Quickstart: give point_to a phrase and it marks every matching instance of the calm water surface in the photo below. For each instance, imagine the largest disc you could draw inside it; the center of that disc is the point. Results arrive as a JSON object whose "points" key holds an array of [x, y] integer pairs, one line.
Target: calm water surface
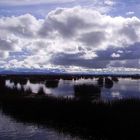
{"points": [[10, 129], [123, 88]]}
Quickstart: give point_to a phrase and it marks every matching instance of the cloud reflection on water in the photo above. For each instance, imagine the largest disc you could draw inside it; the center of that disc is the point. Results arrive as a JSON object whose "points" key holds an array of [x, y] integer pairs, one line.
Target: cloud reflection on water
{"points": [[124, 88]]}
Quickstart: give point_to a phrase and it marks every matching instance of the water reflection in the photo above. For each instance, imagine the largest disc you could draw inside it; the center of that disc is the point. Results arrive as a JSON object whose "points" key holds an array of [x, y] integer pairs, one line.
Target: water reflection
{"points": [[115, 79], [87, 92], [52, 83], [116, 95], [104, 88], [10, 84], [100, 81], [108, 83], [62, 115], [11, 129]]}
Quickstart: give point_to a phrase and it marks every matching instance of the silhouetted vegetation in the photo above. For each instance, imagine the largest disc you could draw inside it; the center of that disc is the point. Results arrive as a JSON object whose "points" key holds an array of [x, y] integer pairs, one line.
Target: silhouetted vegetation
{"points": [[119, 119], [115, 79], [108, 83], [52, 83], [40, 92], [87, 92], [100, 81], [112, 120]]}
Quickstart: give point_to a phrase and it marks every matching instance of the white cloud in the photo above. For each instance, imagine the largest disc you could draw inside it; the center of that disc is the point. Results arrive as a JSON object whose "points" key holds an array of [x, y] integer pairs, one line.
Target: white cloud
{"points": [[4, 54], [109, 2], [24, 25], [69, 38], [114, 55], [130, 13]]}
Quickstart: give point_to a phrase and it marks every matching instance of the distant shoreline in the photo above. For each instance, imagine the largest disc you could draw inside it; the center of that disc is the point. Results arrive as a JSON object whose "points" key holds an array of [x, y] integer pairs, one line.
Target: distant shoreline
{"points": [[70, 75]]}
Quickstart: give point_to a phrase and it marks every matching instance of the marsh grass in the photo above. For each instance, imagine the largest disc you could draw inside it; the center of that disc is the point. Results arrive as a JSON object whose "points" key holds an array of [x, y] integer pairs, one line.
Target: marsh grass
{"points": [[117, 119]]}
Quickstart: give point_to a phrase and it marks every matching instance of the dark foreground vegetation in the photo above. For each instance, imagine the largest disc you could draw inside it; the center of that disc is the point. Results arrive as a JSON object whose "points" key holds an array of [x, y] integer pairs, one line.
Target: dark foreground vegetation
{"points": [[88, 119], [113, 120]]}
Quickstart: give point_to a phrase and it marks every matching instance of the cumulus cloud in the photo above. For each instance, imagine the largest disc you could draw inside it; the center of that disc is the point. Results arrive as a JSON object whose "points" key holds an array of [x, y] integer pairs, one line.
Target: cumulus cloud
{"points": [[115, 55], [70, 38]]}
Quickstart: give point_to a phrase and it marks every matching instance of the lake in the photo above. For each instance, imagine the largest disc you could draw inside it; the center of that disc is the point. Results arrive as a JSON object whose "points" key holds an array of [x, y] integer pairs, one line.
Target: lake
{"points": [[120, 88]]}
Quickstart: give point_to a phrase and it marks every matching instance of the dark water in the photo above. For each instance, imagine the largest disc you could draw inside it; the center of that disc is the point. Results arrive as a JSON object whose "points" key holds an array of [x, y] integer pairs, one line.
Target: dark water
{"points": [[10, 129]]}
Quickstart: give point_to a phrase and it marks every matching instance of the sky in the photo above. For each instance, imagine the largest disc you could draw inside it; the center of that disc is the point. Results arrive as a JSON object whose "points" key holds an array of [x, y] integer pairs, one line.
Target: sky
{"points": [[70, 35]]}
